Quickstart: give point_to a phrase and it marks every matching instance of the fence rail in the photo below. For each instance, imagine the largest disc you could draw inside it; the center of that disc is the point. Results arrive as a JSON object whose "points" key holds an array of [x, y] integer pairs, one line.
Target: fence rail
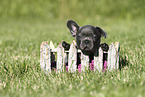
{"points": [[48, 52]]}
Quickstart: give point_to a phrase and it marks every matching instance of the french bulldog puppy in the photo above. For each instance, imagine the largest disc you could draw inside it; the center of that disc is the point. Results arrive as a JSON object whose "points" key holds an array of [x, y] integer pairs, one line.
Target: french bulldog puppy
{"points": [[87, 37]]}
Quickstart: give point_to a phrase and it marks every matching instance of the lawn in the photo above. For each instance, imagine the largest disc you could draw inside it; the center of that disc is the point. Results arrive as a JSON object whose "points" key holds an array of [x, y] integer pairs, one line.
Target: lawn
{"points": [[21, 36]]}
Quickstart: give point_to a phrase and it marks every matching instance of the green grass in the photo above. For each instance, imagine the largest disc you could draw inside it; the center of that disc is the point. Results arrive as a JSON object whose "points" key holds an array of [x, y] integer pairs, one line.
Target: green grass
{"points": [[22, 30], [72, 8], [21, 74]]}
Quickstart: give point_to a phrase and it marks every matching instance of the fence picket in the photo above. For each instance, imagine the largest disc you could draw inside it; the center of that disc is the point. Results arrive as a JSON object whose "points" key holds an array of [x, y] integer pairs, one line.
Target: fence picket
{"points": [[72, 58], [84, 62], [65, 58], [42, 64], [60, 53], [111, 57], [117, 47], [98, 60], [47, 58]]}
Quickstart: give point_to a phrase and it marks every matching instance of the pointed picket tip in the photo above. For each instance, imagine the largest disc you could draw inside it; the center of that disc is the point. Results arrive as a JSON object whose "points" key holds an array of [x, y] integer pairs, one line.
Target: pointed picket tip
{"points": [[117, 47], [45, 61], [52, 47], [101, 58], [51, 44], [72, 59], [60, 53], [42, 64], [41, 46], [98, 60], [112, 45], [111, 58], [48, 58], [42, 55]]}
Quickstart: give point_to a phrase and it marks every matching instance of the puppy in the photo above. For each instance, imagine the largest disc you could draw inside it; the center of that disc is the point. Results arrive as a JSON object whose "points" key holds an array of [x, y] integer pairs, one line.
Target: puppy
{"points": [[87, 37], [87, 40]]}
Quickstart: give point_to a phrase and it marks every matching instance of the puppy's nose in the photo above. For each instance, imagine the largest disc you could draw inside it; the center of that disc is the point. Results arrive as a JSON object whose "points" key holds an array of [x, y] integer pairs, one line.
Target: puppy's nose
{"points": [[86, 41]]}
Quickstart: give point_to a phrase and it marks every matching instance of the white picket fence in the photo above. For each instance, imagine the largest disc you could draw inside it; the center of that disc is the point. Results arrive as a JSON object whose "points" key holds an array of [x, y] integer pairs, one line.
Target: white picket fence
{"points": [[48, 53]]}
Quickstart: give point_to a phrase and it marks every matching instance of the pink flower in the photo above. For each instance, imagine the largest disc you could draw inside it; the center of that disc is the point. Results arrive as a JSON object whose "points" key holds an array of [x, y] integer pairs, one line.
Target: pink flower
{"points": [[66, 68], [105, 66], [79, 68]]}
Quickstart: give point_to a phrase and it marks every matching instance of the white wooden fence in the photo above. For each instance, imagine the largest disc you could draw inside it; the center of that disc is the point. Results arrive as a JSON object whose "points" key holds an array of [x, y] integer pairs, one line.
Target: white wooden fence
{"points": [[48, 53]]}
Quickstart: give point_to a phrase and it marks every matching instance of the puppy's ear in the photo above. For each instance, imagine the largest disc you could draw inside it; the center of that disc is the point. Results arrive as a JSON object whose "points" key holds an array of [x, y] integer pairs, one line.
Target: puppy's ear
{"points": [[73, 27], [103, 33]]}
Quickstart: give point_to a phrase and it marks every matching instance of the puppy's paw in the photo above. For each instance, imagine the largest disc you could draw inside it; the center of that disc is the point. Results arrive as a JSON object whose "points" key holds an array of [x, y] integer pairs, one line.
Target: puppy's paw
{"points": [[105, 47], [65, 45]]}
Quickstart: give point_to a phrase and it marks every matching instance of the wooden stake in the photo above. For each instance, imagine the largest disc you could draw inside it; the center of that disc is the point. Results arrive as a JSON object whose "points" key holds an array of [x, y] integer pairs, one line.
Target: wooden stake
{"points": [[98, 60], [84, 62], [117, 47], [72, 58], [60, 53]]}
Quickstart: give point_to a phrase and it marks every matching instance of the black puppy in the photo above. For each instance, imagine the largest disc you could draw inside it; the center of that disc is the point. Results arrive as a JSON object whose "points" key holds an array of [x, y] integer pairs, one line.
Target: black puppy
{"points": [[87, 37]]}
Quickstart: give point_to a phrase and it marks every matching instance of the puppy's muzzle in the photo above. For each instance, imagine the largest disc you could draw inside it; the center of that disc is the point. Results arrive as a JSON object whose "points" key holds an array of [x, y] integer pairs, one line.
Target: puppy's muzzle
{"points": [[86, 45], [86, 42]]}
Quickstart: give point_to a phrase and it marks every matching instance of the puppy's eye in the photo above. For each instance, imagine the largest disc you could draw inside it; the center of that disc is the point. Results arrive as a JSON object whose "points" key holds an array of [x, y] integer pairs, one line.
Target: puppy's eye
{"points": [[80, 36], [95, 37]]}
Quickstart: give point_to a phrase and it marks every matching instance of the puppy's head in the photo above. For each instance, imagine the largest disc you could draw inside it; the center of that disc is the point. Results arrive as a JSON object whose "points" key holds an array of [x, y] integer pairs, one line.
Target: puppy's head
{"points": [[87, 37]]}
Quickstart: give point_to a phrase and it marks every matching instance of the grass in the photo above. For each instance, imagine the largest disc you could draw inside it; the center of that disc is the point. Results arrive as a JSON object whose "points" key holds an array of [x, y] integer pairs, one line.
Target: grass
{"points": [[21, 74], [81, 8], [21, 35]]}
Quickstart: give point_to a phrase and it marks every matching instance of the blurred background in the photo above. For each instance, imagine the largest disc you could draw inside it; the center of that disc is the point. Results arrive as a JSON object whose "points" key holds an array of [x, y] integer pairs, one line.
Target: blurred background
{"points": [[24, 24], [38, 20], [76, 9]]}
